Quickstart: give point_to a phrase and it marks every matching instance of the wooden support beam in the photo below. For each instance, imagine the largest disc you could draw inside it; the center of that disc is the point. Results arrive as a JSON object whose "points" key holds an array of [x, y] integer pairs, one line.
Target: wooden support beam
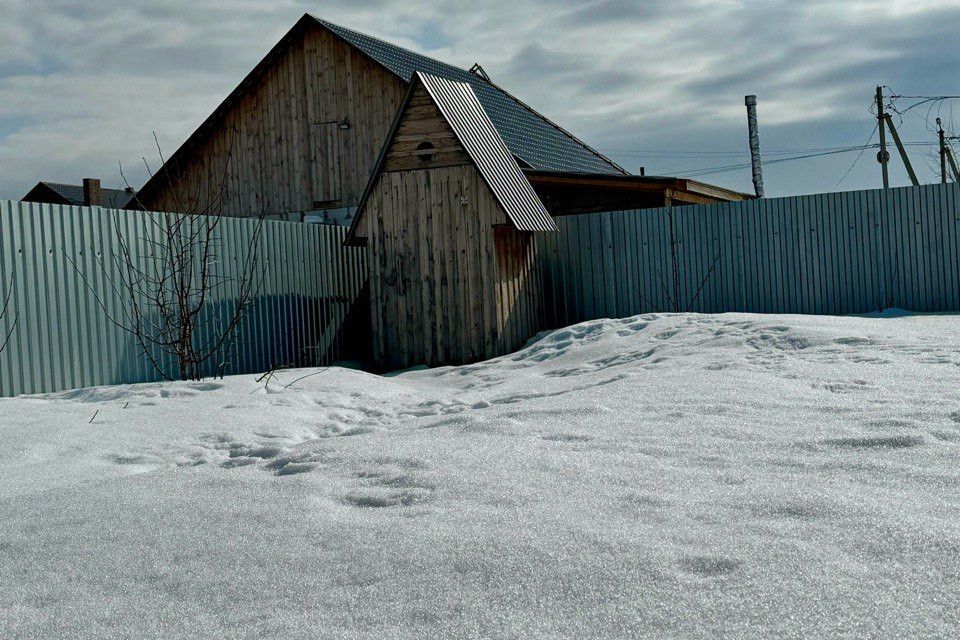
{"points": [[902, 150], [683, 197], [953, 165]]}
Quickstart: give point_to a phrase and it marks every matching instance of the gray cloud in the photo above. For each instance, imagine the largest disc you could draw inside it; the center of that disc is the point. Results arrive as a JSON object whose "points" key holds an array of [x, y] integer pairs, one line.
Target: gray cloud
{"points": [[83, 85]]}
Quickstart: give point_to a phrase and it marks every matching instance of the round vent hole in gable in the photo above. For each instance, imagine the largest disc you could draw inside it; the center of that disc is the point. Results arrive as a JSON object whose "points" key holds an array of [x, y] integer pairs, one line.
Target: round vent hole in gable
{"points": [[426, 151]]}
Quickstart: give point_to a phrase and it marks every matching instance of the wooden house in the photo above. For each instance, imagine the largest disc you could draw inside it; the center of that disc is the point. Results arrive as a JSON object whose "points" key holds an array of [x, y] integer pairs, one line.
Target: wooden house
{"points": [[303, 130], [445, 177]]}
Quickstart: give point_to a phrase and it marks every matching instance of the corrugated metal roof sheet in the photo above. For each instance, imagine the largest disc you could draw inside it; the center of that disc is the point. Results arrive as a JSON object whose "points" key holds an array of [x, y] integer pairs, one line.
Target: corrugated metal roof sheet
{"points": [[466, 116], [529, 135]]}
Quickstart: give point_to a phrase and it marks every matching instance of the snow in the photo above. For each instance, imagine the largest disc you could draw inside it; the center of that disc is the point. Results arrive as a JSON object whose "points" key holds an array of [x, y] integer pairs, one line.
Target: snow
{"points": [[662, 476]]}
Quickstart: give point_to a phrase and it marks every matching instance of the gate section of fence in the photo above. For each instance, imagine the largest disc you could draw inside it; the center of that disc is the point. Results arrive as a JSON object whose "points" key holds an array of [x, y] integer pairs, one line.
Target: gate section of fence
{"points": [[837, 253], [59, 278]]}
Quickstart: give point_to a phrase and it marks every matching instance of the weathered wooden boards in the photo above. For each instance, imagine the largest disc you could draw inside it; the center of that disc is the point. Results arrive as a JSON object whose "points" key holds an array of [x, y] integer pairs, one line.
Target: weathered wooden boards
{"points": [[306, 132], [449, 281], [423, 139]]}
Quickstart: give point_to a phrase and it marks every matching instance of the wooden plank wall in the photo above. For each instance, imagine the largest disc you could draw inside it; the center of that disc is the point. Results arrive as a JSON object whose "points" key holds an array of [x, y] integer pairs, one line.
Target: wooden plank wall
{"points": [[518, 287], [440, 293], [62, 339], [279, 147], [835, 253]]}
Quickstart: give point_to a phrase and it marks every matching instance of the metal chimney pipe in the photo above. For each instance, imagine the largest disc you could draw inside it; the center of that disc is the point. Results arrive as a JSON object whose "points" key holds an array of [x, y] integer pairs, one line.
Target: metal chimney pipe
{"points": [[753, 130]]}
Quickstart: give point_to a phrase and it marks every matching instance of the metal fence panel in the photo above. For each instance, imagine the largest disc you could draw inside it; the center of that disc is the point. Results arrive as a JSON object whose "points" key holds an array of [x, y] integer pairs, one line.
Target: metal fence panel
{"points": [[835, 253], [57, 264]]}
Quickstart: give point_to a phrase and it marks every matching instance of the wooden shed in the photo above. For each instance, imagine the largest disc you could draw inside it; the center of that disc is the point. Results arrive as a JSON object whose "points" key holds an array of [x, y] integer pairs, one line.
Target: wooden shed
{"points": [[450, 225]]}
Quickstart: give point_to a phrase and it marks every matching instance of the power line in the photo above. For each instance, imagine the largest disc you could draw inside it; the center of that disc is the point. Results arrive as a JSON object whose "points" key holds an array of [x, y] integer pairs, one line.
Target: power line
{"points": [[846, 173], [708, 153], [896, 96], [736, 167], [665, 153]]}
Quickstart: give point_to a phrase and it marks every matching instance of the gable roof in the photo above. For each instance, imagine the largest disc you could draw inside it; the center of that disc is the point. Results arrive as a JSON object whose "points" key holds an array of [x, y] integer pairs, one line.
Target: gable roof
{"points": [[461, 109], [73, 194], [534, 139], [529, 135]]}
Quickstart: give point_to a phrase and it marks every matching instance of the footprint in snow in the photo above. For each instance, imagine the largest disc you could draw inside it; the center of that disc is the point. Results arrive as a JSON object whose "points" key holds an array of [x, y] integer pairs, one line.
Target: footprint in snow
{"points": [[339, 431], [666, 335], [391, 483], [855, 341], [789, 508], [875, 442], [567, 437], [391, 499], [709, 566], [843, 386], [292, 465], [132, 459]]}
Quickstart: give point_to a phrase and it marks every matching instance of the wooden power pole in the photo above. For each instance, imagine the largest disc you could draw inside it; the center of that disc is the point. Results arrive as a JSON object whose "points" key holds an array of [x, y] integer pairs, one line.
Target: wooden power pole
{"points": [[883, 157], [943, 152]]}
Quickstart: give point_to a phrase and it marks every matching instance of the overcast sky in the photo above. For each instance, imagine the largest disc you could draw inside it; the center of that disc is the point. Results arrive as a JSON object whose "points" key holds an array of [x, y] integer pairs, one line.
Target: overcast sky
{"points": [[655, 83]]}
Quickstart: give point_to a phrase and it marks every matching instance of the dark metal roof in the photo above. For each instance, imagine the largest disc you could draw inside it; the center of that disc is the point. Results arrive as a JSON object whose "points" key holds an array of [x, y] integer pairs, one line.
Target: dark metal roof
{"points": [[536, 140], [463, 112], [73, 194]]}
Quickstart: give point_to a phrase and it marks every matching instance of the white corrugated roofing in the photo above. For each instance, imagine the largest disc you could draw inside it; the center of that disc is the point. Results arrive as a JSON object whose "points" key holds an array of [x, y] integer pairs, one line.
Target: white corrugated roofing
{"points": [[462, 110]]}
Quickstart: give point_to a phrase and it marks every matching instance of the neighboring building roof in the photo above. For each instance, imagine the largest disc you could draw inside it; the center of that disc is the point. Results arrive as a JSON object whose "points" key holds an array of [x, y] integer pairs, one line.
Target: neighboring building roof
{"points": [[685, 189], [57, 193], [530, 136], [460, 107]]}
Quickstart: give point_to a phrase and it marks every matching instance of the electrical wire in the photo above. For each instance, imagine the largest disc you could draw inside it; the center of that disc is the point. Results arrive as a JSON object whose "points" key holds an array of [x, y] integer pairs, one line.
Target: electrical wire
{"points": [[791, 155], [825, 151], [846, 173], [711, 153], [745, 165]]}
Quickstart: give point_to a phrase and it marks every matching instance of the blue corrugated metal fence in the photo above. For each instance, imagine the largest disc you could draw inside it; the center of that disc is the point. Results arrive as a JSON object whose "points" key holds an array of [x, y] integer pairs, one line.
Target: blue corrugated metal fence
{"points": [[58, 260], [835, 253], [827, 254]]}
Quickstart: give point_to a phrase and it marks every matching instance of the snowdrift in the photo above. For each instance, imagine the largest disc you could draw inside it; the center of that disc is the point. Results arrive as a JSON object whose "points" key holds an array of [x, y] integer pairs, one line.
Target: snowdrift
{"points": [[658, 476]]}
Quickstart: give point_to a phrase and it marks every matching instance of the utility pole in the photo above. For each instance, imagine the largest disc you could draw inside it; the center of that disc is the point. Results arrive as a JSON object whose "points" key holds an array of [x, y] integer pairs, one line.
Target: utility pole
{"points": [[953, 165], [902, 150], [883, 157], [753, 132], [943, 152]]}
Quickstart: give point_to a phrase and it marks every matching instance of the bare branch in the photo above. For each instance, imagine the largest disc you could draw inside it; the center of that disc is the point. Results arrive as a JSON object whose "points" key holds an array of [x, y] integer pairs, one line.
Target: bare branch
{"points": [[169, 277], [3, 314]]}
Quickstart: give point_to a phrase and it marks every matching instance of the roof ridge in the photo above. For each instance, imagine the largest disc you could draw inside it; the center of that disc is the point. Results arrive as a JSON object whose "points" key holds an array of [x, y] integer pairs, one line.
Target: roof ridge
{"points": [[583, 144], [328, 23], [333, 26], [77, 186]]}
